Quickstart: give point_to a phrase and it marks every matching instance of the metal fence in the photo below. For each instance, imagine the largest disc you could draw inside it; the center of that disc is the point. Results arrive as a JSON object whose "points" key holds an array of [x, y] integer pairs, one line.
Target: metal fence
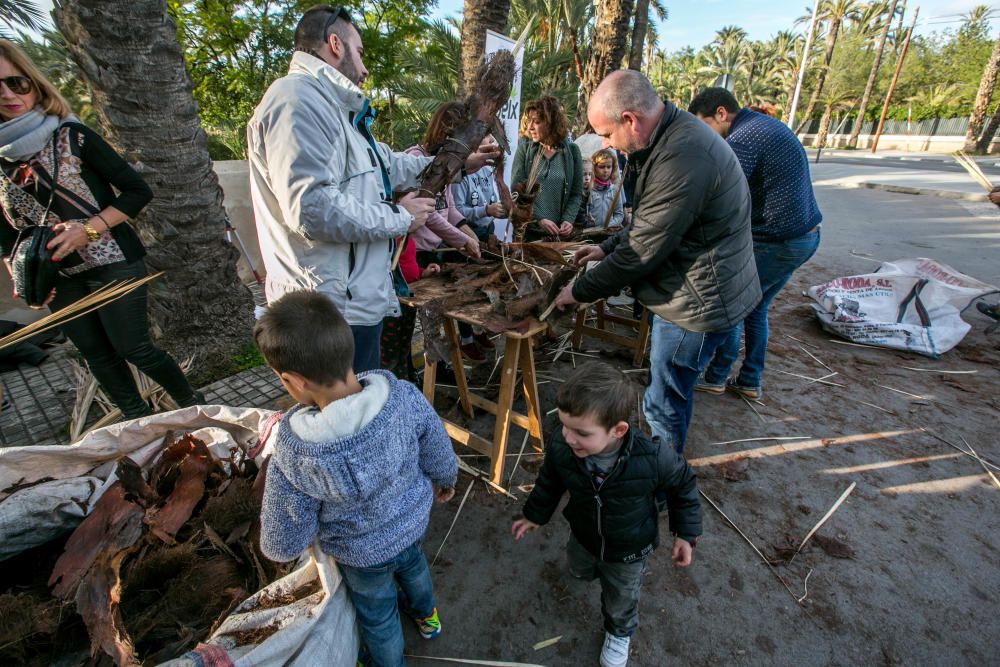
{"points": [[945, 127]]}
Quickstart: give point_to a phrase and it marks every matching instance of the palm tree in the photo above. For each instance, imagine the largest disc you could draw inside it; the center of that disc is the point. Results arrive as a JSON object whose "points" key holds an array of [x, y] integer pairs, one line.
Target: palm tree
{"points": [[428, 77], [867, 23], [128, 54], [478, 17], [979, 110], [852, 141], [835, 12], [641, 29], [936, 98], [20, 13], [835, 99], [723, 56], [755, 65], [607, 49], [784, 48]]}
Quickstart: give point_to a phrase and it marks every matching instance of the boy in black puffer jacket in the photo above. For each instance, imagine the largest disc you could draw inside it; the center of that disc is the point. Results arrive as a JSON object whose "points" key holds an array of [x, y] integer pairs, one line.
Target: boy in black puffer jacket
{"points": [[613, 474]]}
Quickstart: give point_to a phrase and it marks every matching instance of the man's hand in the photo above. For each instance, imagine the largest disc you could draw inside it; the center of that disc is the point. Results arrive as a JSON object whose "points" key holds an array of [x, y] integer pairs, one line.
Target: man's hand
{"points": [[522, 527], [496, 210], [565, 229], [549, 227], [444, 494], [418, 207], [430, 270], [682, 553], [486, 155], [588, 253], [565, 297]]}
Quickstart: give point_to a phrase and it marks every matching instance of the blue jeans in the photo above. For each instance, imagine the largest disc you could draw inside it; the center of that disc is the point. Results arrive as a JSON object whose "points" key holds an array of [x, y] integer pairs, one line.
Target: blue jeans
{"points": [[373, 592], [676, 358], [776, 262], [367, 351]]}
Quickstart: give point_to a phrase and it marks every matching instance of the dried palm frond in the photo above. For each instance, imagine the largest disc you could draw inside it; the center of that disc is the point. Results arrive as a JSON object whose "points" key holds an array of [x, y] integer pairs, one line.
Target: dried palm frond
{"points": [[87, 304]]}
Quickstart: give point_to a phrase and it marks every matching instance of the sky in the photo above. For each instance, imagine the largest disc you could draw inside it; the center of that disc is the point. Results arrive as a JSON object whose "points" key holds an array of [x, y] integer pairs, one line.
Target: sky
{"points": [[694, 22]]}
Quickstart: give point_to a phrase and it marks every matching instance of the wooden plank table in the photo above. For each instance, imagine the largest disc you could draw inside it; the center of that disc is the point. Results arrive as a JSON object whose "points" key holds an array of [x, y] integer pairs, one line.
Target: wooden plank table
{"points": [[637, 344], [518, 356]]}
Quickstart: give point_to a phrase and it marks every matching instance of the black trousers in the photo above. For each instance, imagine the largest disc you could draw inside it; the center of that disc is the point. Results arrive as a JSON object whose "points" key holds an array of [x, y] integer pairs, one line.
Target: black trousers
{"points": [[118, 333]]}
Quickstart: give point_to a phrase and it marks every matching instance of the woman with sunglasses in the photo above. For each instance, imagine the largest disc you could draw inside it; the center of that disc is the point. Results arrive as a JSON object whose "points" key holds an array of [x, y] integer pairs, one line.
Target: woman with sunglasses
{"points": [[55, 171]]}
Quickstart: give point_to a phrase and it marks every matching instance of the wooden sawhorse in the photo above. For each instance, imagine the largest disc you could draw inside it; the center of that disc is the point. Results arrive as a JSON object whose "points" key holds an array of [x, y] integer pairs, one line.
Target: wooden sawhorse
{"points": [[641, 326], [518, 355]]}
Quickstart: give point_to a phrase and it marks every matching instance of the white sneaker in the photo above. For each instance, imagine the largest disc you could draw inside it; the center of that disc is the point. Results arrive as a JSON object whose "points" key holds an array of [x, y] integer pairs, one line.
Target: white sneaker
{"points": [[615, 651]]}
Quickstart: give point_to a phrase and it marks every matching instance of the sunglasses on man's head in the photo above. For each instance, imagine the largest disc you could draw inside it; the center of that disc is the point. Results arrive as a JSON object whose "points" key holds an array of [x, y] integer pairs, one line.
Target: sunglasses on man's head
{"points": [[19, 85], [337, 13]]}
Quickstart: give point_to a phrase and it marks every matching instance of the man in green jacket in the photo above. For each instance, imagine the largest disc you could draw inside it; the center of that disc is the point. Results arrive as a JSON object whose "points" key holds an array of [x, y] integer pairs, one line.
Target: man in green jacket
{"points": [[688, 254]]}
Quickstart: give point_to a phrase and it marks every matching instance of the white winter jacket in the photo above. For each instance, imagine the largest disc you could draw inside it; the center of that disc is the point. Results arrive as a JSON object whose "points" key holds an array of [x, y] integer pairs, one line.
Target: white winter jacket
{"points": [[321, 192]]}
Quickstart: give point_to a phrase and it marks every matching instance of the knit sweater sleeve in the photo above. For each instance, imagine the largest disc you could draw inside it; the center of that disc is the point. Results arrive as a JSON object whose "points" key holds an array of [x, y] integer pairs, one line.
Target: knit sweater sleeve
{"points": [[289, 519], [437, 458]]}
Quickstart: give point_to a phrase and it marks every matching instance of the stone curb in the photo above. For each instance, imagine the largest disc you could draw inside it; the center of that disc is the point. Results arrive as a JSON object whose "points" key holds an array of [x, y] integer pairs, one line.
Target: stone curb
{"points": [[907, 190]]}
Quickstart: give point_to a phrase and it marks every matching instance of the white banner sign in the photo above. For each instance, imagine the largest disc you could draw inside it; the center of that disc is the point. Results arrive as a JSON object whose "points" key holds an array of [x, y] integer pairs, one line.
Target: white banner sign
{"points": [[510, 113]]}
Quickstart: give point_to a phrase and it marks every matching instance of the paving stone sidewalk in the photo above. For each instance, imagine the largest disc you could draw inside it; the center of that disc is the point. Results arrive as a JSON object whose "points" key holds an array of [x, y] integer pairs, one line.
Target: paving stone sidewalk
{"points": [[39, 400]]}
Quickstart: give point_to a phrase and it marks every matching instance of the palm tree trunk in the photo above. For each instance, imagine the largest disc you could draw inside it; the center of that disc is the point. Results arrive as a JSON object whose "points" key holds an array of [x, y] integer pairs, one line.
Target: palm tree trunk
{"points": [[986, 138], [852, 141], [786, 112], [831, 43], [478, 17], [606, 51], [128, 53], [639, 27], [979, 110], [824, 127]]}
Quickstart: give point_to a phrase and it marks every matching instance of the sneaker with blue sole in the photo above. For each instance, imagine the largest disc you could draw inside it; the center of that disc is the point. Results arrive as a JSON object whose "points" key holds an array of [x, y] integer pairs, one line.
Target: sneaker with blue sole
{"points": [[429, 627]]}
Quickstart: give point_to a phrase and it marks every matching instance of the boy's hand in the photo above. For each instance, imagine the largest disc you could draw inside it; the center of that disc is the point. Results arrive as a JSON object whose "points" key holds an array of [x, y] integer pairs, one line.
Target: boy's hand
{"points": [[682, 553], [444, 494], [522, 527]]}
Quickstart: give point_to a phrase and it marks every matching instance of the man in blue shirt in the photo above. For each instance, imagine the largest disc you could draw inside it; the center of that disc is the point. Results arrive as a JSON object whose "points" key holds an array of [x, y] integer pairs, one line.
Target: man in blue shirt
{"points": [[784, 218]]}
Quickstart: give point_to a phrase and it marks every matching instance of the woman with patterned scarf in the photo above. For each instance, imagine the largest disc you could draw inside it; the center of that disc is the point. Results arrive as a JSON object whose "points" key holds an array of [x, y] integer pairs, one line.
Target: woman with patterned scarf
{"points": [[55, 171]]}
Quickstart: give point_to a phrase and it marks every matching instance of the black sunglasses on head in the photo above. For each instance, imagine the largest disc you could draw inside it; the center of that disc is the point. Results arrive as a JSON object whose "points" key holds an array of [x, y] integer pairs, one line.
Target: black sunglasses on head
{"points": [[19, 85], [337, 13]]}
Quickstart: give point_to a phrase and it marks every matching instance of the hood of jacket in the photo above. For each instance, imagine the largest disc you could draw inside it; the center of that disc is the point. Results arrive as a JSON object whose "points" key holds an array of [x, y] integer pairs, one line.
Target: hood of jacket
{"points": [[326, 452]]}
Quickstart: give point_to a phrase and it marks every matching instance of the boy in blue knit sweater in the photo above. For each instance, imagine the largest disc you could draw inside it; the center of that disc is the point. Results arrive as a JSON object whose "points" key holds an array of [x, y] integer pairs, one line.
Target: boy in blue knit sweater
{"points": [[356, 465]]}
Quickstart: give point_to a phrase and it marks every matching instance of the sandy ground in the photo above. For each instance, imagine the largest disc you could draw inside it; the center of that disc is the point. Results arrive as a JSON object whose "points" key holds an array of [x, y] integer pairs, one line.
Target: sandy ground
{"points": [[905, 572]]}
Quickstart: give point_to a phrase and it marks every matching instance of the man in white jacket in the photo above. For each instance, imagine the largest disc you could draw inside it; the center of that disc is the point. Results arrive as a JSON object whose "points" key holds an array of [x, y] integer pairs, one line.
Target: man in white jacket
{"points": [[322, 186]]}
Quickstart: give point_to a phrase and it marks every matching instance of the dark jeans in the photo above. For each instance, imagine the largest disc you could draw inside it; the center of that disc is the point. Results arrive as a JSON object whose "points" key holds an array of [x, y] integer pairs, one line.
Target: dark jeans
{"points": [[776, 262], [367, 354], [620, 586], [118, 333], [676, 359], [373, 592]]}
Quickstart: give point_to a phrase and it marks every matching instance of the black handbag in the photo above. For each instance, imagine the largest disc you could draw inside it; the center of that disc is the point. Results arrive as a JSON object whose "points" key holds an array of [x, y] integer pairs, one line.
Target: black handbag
{"points": [[32, 266], [34, 270]]}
